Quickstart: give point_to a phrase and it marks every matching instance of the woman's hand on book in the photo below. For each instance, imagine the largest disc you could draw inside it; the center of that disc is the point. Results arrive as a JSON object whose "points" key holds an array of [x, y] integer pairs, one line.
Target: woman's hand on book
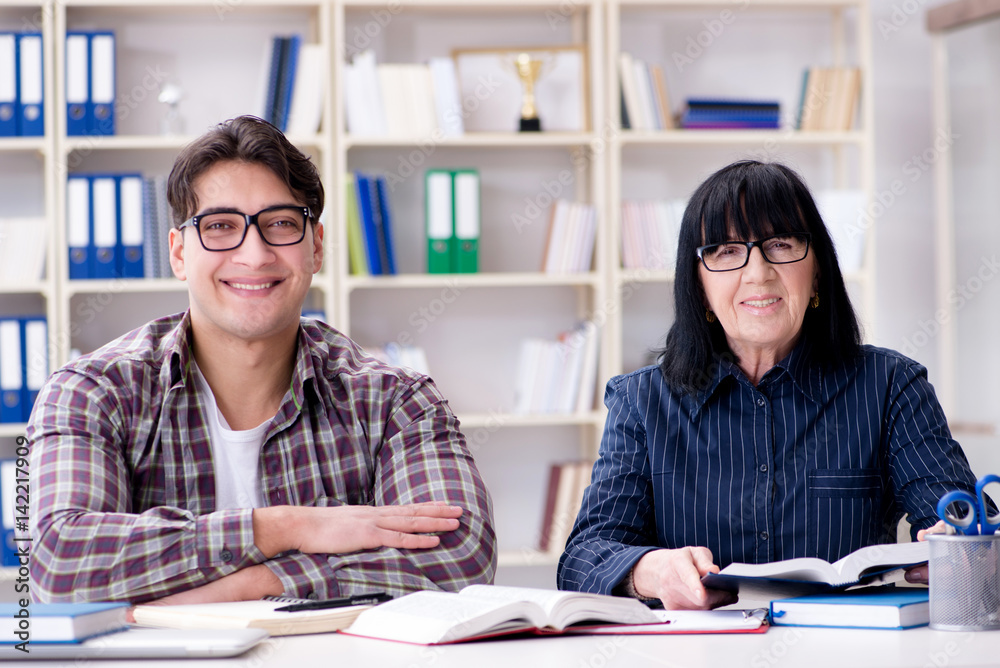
{"points": [[674, 577], [345, 529], [918, 574]]}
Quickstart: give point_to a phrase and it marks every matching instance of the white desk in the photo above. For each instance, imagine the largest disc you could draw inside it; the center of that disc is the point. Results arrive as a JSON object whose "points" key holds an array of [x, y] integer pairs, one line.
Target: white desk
{"points": [[790, 647]]}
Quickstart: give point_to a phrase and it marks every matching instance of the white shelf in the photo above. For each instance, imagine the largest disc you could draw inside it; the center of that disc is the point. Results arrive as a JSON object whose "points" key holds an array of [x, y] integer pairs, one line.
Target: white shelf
{"points": [[787, 136], [479, 140]]}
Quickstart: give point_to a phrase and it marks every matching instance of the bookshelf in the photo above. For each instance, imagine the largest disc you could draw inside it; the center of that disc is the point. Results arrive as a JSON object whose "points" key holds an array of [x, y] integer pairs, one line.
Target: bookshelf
{"points": [[470, 325]]}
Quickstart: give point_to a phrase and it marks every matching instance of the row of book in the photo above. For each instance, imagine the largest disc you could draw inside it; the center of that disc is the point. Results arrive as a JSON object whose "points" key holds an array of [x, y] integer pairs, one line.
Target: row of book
{"points": [[22, 96], [294, 85], [563, 496], [22, 250], [569, 246], [369, 226], [557, 375], [24, 365], [829, 98], [645, 102], [452, 216], [401, 100], [649, 233]]}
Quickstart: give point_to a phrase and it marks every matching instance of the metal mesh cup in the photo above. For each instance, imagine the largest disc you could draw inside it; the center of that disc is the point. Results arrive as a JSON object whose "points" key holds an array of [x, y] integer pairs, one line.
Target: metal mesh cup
{"points": [[964, 582]]}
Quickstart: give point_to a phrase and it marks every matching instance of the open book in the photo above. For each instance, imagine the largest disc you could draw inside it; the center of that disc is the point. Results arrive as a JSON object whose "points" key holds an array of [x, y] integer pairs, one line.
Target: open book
{"points": [[262, 614], [874, 564], [480, 611]]}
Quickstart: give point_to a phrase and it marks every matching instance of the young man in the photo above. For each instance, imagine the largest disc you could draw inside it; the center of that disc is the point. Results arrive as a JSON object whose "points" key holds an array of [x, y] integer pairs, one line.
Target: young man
{"points": [[236, 451]]}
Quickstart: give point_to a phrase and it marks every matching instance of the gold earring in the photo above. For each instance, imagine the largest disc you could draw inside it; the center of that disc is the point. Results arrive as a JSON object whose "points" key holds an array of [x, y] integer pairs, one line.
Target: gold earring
{"points": [[814, 302], [709, 316]]}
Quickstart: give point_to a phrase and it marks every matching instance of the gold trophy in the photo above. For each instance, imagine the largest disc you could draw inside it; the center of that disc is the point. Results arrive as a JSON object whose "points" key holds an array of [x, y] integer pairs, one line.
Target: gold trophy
{"points": [[528, 71]]}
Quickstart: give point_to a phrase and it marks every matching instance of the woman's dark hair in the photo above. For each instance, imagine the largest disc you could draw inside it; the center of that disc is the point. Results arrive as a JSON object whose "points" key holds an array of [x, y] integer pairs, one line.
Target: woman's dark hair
{"points": [[245, 139], [752, 200]]}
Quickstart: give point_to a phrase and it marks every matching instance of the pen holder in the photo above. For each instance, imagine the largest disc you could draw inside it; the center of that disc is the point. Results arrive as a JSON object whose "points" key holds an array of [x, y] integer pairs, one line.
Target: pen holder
{"points": [[964, 582]]}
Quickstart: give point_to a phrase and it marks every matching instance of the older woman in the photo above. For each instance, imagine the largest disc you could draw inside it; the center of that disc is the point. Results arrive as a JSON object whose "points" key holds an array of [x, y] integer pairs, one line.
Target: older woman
{"points": [[768, 431]]}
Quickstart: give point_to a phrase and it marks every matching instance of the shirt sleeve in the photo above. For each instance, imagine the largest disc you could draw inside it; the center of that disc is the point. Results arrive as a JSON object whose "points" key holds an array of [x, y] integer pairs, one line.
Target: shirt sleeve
{"points": [[615, 526], [423, 457], [925, 462], [88, 545]]}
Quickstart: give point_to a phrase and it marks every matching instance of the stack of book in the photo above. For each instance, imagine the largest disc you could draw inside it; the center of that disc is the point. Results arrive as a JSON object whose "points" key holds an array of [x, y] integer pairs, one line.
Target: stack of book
{"points": [[369, 226], [567, 482], [829, 98], [412, 100], [649, 233], [730, 114], [569, 248], [557, 376], [645, 102], [293, 89]]}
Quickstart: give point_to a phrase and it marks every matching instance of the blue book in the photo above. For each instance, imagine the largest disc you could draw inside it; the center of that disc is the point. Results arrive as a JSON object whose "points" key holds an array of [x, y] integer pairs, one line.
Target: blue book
{"points": [[9, 72], [34, 360], [31, 97], [60, 622], [104, 225], [368, 228], [286, 81], [101, 106], [11, 371], [381, 198], [131, 226], [8, 510], [78, 215], [77, 82], [866, 608]]}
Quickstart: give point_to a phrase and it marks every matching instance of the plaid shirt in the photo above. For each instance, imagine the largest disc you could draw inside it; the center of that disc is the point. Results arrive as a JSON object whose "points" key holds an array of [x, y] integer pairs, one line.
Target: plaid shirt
{"points": [[123, 489]]}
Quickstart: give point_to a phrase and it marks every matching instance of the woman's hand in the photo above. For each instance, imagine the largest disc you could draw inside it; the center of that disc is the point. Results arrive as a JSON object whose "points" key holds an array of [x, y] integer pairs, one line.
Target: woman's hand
{"points": [[919, 574], [674, 577]]}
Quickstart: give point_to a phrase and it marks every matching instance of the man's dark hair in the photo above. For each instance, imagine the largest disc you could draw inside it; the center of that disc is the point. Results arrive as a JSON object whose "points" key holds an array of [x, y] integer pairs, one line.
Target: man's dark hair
{"points": [[246, 139]]}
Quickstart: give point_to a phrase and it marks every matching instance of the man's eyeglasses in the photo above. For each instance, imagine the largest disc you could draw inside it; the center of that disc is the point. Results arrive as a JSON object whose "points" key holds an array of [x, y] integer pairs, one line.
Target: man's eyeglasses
{"points": [[283, 225], [733, 255]]}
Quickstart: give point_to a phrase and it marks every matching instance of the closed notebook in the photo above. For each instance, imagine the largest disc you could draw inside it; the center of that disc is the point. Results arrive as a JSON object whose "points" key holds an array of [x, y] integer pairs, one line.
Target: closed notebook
{"points": [[867, 608], [262, 614], [59, 622]]}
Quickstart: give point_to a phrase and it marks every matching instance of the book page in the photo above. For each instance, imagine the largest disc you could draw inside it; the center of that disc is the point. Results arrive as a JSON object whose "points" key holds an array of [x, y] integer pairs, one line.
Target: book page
{"points": [[434, 616], [804, 568], [881, 557], [565, 607]]}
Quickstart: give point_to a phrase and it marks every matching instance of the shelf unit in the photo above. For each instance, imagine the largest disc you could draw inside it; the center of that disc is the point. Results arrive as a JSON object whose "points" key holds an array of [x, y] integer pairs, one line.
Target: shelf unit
{"points": [[710, 46], [469, 324]]}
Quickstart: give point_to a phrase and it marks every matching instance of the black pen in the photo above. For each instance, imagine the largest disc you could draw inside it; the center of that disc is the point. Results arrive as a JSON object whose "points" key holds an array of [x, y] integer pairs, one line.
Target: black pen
{"points": [[361, 599]]}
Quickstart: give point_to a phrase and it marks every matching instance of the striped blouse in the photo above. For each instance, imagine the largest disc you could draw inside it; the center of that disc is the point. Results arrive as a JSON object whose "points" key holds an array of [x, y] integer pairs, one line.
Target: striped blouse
{"points": [[811, 462]]}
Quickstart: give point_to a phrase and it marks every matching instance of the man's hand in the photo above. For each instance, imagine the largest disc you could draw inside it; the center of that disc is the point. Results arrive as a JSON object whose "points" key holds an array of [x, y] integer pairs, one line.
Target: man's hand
{"points": [[919, 574], [247, 584], [674, 576], [345, 529]]}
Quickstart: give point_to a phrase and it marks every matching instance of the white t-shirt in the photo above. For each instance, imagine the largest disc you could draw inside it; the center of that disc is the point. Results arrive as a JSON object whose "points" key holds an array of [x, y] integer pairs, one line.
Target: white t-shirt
{"points": [[236, 455]]}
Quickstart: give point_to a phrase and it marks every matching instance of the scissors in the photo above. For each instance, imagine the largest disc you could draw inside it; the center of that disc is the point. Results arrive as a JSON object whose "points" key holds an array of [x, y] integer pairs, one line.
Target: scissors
{"points": [[976, 519]]}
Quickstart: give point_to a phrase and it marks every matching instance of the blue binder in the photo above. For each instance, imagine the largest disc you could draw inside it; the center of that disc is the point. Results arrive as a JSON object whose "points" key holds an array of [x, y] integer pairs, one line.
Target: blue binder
{"points": [[101, 107], [131, 226], [34, 360], [287, 80], [368, 228], [78, 213], [8, 84], [31, 95], [8, 548], [104, 246], [11, 374], [77, 82]]}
